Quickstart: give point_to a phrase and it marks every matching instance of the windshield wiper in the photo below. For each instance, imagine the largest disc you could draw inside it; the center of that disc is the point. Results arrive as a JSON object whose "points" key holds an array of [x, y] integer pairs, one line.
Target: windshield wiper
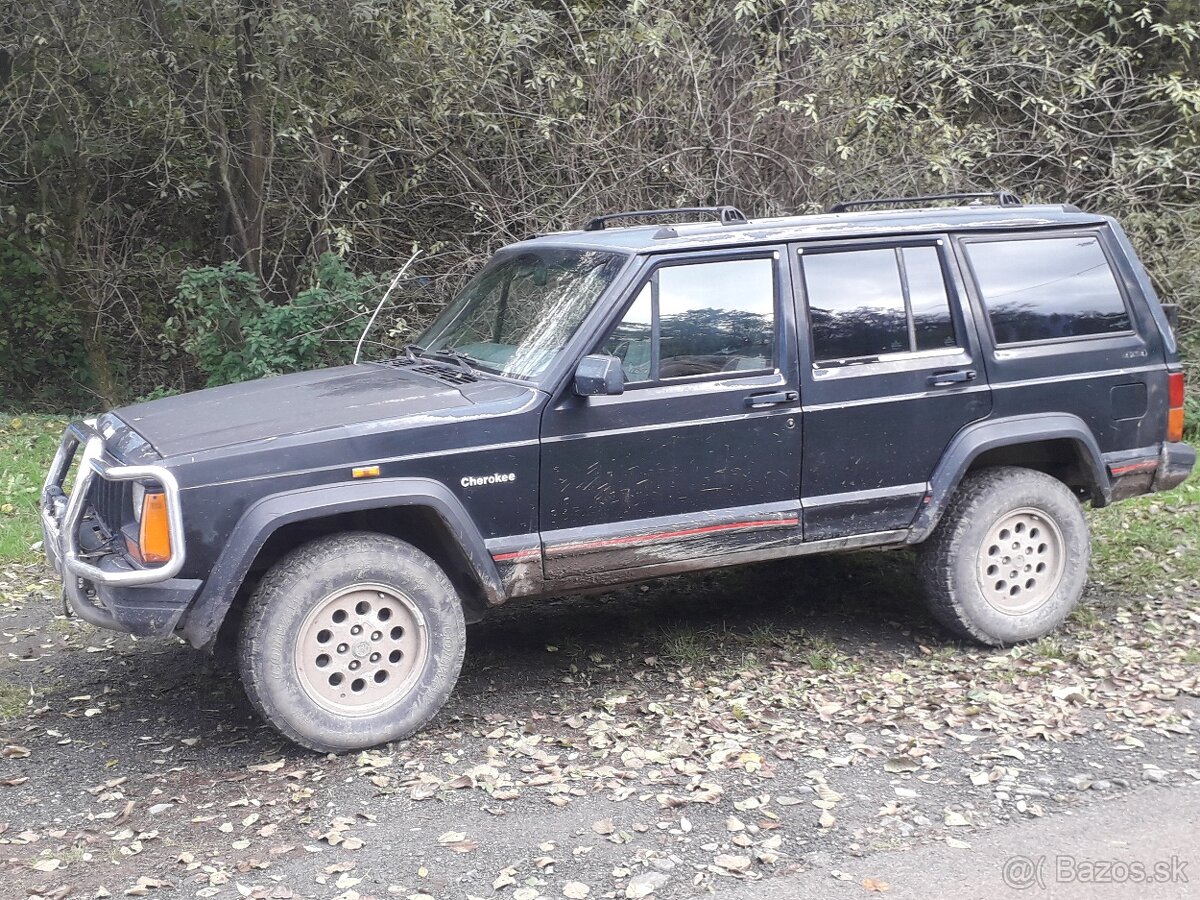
{"points": [[460, 359], [413, 351]]}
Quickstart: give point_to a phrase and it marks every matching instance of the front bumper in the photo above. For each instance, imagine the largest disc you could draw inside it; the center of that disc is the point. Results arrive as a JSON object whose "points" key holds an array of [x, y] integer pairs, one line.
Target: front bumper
{"points": [[107, 589]]}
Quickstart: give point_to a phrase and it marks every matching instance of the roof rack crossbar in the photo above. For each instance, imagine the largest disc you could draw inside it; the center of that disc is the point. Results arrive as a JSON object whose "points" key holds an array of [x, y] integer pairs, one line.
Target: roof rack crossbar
{"points": [[1001, 198], [728, 215]]}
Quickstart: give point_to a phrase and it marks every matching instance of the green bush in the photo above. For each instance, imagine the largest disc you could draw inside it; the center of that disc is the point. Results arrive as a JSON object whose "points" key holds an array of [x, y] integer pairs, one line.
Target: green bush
{"points": [[234, 333]]}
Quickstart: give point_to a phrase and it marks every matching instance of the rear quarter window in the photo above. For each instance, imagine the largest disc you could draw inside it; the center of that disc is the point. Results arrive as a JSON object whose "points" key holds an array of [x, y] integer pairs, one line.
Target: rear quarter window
{"points": [[1044, 289]]}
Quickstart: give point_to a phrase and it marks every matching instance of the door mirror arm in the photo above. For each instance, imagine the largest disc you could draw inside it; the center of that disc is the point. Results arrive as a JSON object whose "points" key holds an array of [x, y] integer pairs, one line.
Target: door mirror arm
{"points": [[599, 375]]}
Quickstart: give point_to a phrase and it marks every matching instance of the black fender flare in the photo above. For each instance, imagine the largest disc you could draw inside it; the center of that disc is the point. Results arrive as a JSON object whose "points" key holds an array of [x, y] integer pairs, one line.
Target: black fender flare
{"points": [[266, 516], [990, 434]]}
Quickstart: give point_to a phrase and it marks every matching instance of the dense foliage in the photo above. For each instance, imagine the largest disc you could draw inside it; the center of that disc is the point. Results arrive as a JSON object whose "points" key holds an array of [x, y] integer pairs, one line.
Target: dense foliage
{"points": [[233, 333], [188, 187]]}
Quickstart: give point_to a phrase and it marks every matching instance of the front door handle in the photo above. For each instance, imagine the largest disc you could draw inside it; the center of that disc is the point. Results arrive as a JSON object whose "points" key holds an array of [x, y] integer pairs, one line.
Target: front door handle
{"points": [[757, 400], [942, 379]]}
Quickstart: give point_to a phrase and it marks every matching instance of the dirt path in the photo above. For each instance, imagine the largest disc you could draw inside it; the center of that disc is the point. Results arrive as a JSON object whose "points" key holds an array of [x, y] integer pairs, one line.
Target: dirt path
{"points": [[1141, 845], [696, 735]]}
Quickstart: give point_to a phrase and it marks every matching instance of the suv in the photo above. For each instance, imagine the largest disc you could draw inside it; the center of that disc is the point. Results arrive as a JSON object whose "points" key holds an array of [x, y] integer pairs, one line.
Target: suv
{"points": [[619, 403]]}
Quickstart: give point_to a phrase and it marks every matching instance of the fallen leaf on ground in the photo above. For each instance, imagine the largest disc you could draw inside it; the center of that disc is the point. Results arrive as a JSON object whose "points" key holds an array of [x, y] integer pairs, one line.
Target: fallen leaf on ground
{"points": [[732, 863], [145, 885]]}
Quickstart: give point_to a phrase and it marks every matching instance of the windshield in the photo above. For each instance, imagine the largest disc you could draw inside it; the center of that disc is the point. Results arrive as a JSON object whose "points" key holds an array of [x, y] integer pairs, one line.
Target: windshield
{"points": [[515, 315]]}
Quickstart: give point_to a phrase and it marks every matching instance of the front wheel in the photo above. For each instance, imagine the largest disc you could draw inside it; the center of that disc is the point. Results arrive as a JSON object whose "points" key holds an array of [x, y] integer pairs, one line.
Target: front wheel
{"points": [[1009, 558], [351, 641]]}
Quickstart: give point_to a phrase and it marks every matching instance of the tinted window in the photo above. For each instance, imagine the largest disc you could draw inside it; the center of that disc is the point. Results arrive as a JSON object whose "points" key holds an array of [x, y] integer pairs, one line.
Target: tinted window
{"points": [[927, 295], [855, 304], [711, 317], [857, 308], [1047, 288]]}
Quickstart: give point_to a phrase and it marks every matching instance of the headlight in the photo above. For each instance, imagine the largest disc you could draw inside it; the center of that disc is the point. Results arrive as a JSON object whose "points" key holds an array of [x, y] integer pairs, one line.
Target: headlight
{"points": [[139, 498]]}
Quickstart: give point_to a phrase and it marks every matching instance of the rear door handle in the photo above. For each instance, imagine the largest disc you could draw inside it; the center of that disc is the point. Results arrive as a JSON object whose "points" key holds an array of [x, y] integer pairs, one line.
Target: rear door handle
{"points": [[755, 400], [942, 379]]}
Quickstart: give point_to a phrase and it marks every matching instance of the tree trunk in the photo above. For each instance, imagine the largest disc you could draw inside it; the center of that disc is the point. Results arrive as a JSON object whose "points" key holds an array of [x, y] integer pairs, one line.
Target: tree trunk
{"points": [[241, 153]]}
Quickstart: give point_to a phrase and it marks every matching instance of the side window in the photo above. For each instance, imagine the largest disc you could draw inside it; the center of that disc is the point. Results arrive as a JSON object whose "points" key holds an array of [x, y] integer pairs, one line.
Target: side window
{"points": [[930, 304], [1047, 288], [699, 319], [863, 304], [632, 340]]}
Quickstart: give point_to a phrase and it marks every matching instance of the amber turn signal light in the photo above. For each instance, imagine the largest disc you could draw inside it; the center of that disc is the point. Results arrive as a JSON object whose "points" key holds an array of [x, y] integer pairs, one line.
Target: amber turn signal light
{"points": [[154, 535], [1175, 425]]}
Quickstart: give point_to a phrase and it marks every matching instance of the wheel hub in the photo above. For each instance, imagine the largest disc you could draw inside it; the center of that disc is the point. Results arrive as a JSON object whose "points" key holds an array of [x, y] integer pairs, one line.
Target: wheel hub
{"points": [[1021, 561], [361, 649]]}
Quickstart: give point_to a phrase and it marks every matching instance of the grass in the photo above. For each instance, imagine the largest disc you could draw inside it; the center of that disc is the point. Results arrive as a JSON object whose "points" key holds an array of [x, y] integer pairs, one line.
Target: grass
{"points": [[1049, 648], [1086, 616], [1149, 544], [687, 646], [27, 444], [13, 700], [821, 654]]}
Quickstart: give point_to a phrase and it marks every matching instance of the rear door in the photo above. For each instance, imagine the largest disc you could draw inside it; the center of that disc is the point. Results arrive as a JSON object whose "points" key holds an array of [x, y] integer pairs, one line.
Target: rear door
{"points": [[890, 371]]}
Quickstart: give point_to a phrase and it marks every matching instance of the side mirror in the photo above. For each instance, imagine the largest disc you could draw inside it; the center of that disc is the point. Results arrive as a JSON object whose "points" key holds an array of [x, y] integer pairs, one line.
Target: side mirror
{"points": [[599, 375]]}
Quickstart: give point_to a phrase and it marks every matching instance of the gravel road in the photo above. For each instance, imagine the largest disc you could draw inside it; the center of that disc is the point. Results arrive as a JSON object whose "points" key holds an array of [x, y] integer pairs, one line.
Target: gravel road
{"points": [[776, 731]]}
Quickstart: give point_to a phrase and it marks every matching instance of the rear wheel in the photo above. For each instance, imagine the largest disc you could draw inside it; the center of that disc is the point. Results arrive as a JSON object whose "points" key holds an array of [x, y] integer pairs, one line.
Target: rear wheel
{"points": [[351, 641], [1009, 558]]}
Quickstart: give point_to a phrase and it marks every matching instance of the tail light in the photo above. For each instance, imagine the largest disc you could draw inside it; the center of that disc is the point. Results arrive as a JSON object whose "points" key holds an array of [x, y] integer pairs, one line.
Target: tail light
{"points": [[1175, 406]]}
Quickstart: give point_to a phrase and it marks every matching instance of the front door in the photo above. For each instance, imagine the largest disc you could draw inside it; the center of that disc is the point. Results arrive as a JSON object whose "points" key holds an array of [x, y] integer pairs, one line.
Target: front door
{"points": [[890, 372], [700, 457]]}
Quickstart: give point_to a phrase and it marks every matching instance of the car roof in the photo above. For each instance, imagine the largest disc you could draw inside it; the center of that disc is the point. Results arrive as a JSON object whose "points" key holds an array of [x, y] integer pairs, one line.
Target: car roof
{"points": [[874, 223]]}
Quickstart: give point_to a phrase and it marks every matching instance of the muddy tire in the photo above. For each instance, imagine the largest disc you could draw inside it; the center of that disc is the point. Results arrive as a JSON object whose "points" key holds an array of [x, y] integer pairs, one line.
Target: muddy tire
{"points": [[1009, 558], [351, 641]]}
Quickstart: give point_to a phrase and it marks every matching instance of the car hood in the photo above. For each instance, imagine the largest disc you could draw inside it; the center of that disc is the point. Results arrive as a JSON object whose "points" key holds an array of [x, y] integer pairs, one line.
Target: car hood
{"points": [[304, 402]]}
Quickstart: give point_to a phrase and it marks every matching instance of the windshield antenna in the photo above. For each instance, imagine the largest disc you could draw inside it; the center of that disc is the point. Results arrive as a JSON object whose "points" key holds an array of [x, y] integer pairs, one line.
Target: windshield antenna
{"points": [[382, 300]]}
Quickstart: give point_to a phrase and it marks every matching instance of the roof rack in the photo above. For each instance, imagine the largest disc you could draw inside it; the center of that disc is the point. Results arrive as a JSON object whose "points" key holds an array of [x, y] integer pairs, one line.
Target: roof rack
{"points": [[1001, 198], [729, 215]]}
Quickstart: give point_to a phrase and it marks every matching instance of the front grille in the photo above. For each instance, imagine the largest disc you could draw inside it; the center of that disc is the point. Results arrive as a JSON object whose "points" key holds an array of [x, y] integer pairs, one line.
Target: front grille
{"points": [[111, 502]]}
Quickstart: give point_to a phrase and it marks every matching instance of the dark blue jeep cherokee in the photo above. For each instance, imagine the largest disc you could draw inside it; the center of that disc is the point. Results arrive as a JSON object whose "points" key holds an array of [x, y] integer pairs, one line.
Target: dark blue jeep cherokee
{"points": [[613, 404]]}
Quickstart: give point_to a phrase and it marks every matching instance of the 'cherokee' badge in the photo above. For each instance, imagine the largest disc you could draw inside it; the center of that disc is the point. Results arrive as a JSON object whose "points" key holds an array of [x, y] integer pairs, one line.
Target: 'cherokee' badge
{"points": [[478, 480]]}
